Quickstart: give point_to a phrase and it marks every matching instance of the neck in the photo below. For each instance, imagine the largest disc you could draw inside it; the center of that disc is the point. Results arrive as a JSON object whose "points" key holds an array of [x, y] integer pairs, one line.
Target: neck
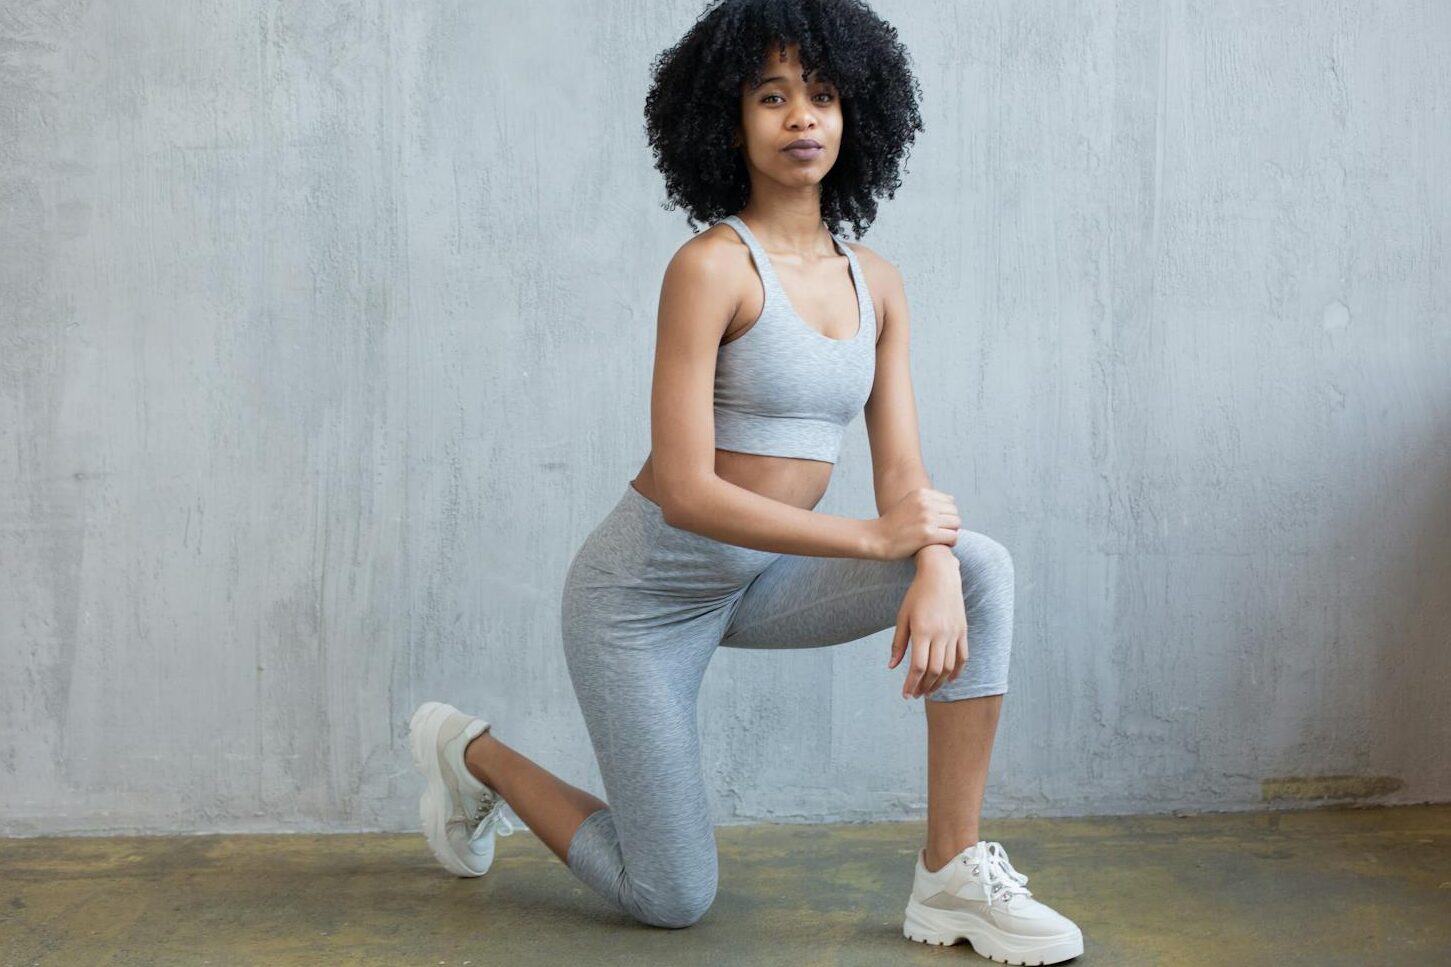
{"points": [[790, 224]]}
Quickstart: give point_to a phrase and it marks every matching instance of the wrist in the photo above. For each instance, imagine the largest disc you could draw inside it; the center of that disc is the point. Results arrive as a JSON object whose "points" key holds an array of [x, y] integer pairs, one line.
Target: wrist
{"points": [[869, 541], [934, 556]]}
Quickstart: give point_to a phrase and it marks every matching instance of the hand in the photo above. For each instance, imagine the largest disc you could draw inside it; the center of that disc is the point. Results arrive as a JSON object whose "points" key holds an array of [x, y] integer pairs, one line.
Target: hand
{"points": [[923, 516], [934, 619]]}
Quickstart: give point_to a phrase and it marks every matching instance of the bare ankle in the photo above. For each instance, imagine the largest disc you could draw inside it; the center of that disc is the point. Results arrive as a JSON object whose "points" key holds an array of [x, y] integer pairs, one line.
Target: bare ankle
{"points": [[935, 857], [478, 757]]}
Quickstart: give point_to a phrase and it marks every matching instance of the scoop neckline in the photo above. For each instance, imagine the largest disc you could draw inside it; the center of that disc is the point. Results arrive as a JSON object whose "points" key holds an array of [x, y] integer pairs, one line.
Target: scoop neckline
{"points": [[857, 286]]}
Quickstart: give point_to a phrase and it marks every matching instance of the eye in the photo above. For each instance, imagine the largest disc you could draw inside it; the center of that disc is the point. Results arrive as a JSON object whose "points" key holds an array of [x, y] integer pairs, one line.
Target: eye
{"points": [[824, 94]]}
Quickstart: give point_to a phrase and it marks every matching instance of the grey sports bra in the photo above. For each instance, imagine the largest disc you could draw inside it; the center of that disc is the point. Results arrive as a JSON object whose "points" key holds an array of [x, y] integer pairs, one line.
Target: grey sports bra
{"points": [[784, 389]]}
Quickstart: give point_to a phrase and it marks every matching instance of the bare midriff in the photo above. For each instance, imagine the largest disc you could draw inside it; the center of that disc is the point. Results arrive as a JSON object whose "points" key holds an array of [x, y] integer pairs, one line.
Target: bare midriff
{"points": [[791, 480]]}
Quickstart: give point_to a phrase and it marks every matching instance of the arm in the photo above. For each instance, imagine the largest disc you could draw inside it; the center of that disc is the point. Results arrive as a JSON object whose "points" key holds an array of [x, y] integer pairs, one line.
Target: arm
{"points": [[891, 411], [696, 306]]}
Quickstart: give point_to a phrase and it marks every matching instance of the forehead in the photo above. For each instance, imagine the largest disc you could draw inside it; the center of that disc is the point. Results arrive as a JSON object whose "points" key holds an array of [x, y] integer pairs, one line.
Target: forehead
{"points": [[784, 67]]}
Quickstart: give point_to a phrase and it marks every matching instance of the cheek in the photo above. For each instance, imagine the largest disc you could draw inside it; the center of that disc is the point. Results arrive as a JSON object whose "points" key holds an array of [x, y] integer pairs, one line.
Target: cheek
{"points": [[754, 130]]}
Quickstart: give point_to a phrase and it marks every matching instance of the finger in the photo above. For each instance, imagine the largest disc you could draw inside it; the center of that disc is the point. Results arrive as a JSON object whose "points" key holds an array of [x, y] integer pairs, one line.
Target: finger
{"points": [[935, 655], [929, 685], [926, 645], [914, 683], [909, 688], [961, 656], [949, 662], [928, 675], [899, 644], [915, 670], [954, 658]]}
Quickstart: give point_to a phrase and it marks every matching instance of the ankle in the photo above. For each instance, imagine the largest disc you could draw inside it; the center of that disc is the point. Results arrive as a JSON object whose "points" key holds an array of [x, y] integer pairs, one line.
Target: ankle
{"points": [[479, 756], [937, 855]]}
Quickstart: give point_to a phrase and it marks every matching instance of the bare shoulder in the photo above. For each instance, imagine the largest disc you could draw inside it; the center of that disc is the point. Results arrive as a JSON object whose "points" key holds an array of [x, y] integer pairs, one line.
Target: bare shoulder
{"points": [[700, 292], [706, 263], [873, 263], [716, 246]]}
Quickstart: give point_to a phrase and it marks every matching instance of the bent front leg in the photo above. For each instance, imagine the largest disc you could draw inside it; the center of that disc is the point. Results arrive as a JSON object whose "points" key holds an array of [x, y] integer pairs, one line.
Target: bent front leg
{"points": [[810, 602]]}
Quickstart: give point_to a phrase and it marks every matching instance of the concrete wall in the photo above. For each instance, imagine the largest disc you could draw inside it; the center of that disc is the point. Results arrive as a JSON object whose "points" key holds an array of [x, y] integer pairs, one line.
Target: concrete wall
{"points": [[325, 339]]}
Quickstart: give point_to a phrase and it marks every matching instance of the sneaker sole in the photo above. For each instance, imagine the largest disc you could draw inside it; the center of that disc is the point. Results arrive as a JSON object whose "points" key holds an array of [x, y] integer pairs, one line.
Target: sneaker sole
{"points": [[434, 806], [947, 927]]}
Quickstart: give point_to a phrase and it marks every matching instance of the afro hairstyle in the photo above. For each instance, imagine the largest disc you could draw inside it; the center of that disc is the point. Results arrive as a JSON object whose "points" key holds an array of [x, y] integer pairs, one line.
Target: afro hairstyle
{"points": [[694, 103]]}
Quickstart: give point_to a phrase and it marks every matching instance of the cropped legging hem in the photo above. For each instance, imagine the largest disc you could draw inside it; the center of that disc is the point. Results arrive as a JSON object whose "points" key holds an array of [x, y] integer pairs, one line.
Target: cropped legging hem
{"points": [[645, 606], [977, 691]]}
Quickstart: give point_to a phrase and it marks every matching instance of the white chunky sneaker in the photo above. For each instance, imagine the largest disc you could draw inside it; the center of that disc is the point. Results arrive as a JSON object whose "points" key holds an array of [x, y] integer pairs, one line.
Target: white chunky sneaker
{"points": [[980, 898], [460, 814]]}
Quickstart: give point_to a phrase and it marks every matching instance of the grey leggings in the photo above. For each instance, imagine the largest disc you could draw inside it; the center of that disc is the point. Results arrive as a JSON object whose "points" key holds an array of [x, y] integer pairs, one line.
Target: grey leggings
{"points": [[645, 605]]}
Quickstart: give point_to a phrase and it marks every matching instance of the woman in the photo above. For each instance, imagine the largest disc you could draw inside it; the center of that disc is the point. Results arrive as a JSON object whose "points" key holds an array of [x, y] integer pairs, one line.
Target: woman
{"points": [[769, 121]]}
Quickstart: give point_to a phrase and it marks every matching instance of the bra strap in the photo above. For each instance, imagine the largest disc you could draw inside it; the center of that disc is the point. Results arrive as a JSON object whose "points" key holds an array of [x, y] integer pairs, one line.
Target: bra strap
{"points": [[864, 296], [763, 261]]}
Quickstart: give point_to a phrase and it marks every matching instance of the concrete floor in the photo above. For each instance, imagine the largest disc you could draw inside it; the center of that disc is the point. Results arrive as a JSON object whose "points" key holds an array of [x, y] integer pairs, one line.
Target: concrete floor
{"points": [[1332, 886]]}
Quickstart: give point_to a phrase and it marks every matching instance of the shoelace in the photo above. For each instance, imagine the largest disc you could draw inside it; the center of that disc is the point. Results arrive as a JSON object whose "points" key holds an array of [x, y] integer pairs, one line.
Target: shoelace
{"points": [[491, 817], [996, 874]]}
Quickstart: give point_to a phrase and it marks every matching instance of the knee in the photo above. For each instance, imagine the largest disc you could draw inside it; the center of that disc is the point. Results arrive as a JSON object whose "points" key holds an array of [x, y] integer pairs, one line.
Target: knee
{"points": [[984, 561], [680, 907]]}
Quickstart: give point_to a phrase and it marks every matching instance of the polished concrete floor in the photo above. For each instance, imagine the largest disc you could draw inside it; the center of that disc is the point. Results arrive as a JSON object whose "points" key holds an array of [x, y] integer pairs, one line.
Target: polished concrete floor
{"points": [[1325, 887]]}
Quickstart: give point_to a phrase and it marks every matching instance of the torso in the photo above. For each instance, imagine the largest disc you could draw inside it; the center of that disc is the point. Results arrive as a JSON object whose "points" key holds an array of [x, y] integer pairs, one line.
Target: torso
{"points": [[820, 297], [801, 483]]}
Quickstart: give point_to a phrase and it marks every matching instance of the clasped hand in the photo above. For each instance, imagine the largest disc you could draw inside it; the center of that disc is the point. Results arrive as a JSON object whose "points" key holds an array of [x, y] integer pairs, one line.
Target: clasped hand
{"points": [[933, 619]]}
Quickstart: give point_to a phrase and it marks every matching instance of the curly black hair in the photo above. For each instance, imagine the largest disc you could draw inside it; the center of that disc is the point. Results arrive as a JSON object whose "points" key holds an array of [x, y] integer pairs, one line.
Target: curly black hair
{"points": [[693, 106]]}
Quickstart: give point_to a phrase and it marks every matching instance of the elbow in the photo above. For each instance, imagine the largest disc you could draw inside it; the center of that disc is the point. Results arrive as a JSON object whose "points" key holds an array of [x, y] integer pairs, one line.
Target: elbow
{"points": [[676, 500], [670, 508]]}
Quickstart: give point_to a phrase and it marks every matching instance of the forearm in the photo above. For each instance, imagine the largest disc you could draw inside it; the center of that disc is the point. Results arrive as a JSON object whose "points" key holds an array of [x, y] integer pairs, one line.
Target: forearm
{"points": [[892, 487], [716, 508]]}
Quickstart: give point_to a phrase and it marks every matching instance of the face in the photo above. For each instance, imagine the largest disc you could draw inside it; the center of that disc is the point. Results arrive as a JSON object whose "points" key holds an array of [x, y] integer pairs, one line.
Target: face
{"points": [[783, 110]]}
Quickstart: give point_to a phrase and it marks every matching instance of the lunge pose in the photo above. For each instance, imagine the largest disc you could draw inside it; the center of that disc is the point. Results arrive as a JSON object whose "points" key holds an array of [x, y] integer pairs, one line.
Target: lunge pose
{"points": [[774, 124]]}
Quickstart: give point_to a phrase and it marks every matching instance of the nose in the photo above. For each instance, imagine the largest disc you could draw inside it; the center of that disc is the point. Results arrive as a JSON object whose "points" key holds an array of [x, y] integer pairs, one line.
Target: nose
{"points": [[802, 116]]}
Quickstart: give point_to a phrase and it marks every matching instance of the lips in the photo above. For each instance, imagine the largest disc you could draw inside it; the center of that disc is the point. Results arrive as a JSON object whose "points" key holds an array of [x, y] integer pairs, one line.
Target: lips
{"points": [[804, 149]]}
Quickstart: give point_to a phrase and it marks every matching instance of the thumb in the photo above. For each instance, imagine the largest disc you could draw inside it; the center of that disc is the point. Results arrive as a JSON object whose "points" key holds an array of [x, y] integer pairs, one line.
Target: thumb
{"points": [[899, 643]]}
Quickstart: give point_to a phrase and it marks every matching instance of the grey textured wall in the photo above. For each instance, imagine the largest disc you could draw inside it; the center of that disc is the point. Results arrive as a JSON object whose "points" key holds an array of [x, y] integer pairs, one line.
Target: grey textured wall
{"points": [[327, 336]]}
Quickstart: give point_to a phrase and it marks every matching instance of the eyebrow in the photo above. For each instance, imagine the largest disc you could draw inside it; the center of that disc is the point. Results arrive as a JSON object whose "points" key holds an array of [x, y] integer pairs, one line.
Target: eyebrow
{"points": [[778, 77]]}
